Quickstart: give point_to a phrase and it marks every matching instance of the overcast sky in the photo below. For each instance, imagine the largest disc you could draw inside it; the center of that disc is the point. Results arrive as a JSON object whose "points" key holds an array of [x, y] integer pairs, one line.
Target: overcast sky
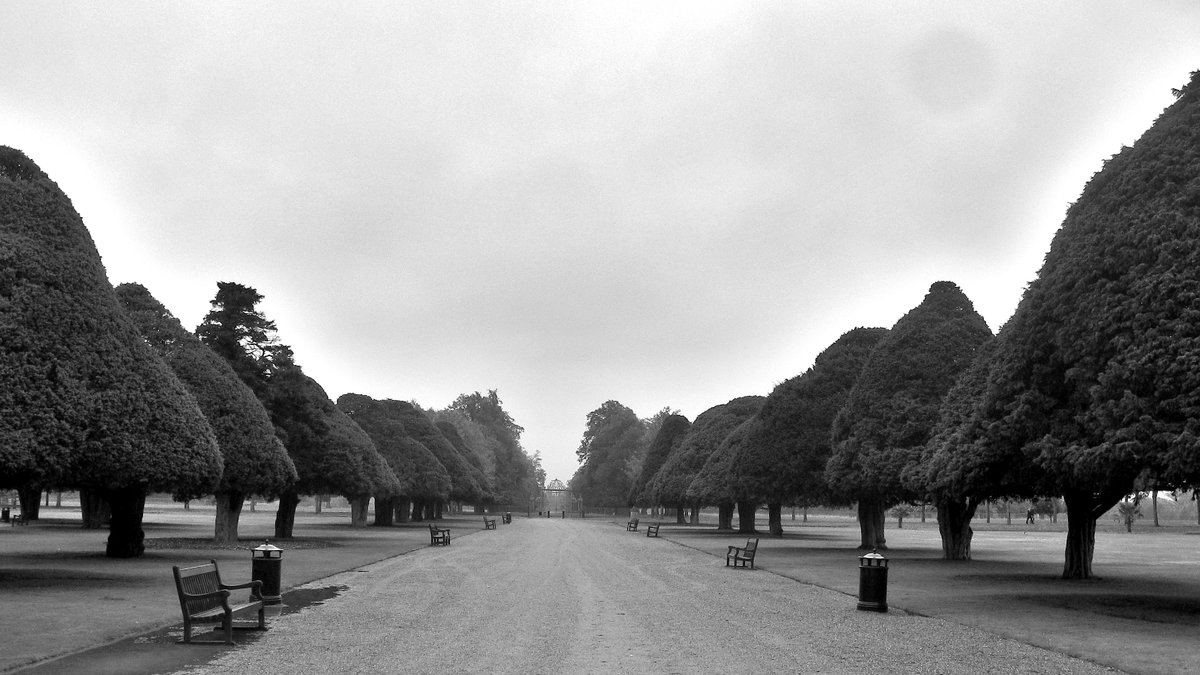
{"points": [[665, 204]]}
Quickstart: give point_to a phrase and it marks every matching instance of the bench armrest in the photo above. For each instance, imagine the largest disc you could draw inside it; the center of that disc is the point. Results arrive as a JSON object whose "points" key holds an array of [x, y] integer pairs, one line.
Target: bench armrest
{"points": [[255, 587]]}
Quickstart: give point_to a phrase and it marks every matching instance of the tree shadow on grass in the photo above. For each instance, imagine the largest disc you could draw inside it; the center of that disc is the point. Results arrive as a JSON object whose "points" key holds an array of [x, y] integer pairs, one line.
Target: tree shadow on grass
{"points": [[1135, 607]]}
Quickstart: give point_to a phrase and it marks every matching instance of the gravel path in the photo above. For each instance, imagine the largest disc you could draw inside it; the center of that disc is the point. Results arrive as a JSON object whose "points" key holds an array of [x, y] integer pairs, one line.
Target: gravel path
{"points": [[571, 596]]}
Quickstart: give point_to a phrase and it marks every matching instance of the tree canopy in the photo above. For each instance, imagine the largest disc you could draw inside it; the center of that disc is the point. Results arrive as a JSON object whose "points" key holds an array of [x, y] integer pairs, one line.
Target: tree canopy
{"points": [[670, 485], [511, 472], [669, 435], [84, 402], [614, 435], [1096, 377], [891, 411], [784, 459], [255, 461]]}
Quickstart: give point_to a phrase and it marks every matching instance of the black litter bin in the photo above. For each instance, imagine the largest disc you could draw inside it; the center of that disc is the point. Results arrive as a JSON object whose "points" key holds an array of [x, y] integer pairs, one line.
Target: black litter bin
{"points": [[872, 582], [266, 562]]}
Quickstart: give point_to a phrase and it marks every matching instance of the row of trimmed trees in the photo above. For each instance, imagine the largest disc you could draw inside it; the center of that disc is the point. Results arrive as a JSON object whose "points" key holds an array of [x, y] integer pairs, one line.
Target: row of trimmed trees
{"points": [[1090, 392], [104, 391]]}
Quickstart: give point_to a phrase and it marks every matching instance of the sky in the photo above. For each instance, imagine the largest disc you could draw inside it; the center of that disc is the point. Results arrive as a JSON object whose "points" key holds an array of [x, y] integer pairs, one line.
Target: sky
{"points": [[666, 204]]}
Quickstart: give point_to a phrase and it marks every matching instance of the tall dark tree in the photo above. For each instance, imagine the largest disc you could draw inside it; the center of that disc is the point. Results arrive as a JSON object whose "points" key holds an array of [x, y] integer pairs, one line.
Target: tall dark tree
{"points": [[1096, 377], [670, 485], [513, 477], [714, 483], [893, 407], [613, 435], [671, 431], [237, 331], [84, 402], [464, 478], [956, 472], [256, 462], [332, 454], [423, 479], [784, 460]]}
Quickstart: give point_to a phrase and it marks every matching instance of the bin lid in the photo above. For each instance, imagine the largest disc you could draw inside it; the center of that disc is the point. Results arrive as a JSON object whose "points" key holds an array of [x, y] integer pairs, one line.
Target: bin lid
{"points": [[873, 559], [267, 550]]}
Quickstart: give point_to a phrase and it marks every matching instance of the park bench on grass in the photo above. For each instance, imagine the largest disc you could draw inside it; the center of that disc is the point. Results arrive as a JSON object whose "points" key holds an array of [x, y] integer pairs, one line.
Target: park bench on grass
{"points": [[652, 529], [439, 536], [489, 523], [19, 519], [739, 556], [631, 526], [204, 599]]}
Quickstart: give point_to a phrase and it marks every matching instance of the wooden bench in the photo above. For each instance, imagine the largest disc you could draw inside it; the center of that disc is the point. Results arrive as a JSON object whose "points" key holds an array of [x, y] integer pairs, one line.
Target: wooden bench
{"points": [[631, 526], [652, 529], [18, 519], [739, 556], [439, 536], [489, 523], [204, 599]]}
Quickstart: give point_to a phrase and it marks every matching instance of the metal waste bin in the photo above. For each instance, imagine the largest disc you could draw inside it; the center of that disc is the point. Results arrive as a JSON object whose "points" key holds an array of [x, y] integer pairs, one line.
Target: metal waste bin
{"points": [[872, 582], [266, 562]]}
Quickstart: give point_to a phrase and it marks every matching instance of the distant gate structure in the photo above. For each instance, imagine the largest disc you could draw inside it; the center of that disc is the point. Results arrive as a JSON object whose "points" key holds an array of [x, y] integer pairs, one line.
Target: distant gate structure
{"points": [[558, 498]]}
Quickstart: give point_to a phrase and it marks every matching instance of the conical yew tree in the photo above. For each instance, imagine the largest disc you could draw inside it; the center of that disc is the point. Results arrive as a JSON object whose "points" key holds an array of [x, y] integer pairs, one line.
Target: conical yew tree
{"points": [[893, 407], [84, 402], [783, 461], [1096, 377], [256, 462]]}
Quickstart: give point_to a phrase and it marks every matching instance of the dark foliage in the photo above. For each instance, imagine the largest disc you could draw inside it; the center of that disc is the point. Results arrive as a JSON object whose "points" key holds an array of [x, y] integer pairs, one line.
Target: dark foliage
{"points": [[784, 459]]}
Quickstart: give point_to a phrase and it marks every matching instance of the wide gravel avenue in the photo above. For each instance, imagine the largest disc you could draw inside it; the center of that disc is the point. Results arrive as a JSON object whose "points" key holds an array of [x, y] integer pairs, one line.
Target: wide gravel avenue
{"points": [[585, 596]]}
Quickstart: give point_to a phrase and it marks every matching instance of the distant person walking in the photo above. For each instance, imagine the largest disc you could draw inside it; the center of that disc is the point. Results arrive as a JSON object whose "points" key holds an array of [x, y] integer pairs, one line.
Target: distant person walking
{"points": [[1029, 517]]}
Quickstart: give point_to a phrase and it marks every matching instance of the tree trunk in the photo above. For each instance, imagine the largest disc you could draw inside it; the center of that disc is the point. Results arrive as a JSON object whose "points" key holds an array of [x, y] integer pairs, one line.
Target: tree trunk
{"points": [[775, 519], [695, 514], [359, 506], [1153, 506], [317, 504], [96, 511], [954, 524], [725, 517], [680, 514], [229, 512], [385, 511], [1083, 509], [125, 536], [746, 512], [871, 515], [404, 509], [31, 501], [436, 513], [285, 517]]}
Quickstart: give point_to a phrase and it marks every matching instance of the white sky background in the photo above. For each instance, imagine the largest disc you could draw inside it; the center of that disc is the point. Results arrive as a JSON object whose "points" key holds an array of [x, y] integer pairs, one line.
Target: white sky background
{"points": [[666, 204]]}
